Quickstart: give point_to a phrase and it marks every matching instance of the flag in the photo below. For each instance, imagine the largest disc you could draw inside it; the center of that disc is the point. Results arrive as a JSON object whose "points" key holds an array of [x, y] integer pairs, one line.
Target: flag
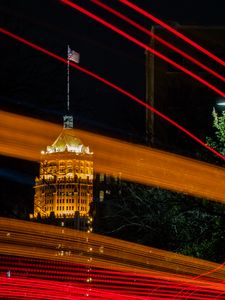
{"points": [[73, 55]]}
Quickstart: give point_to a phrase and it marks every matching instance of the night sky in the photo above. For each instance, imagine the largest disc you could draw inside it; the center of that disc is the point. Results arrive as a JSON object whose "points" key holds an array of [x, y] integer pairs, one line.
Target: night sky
{"points": [[33, 84]]}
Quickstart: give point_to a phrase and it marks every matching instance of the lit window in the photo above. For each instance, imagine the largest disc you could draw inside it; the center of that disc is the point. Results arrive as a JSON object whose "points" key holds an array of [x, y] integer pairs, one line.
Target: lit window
{"points": [[101, 196], [101, 177]]}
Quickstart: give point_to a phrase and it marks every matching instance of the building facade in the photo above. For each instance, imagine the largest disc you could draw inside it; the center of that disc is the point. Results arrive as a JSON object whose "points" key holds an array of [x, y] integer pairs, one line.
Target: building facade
{"points": [[64, 187]]}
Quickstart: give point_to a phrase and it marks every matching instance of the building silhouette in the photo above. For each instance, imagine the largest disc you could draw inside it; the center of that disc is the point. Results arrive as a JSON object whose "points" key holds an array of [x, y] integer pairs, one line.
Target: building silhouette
{"points": [[177, 95]]}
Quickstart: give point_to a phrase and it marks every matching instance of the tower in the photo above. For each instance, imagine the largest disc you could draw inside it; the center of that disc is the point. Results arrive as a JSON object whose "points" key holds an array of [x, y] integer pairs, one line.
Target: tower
{"points": [[64, 187]]}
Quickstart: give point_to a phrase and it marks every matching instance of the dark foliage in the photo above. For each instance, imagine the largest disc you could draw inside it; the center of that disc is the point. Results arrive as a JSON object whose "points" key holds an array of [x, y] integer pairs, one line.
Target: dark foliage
{"points": [[164, 219]]}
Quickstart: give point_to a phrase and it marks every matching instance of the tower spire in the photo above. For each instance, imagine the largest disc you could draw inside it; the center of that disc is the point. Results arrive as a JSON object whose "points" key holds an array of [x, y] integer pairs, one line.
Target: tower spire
{"points": [[75, 57], [68, 78]]}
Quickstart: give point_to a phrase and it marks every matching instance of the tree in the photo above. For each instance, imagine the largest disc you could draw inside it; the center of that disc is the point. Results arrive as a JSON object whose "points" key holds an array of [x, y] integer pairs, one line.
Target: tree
{"points": [[166, 220], [218, 141]]}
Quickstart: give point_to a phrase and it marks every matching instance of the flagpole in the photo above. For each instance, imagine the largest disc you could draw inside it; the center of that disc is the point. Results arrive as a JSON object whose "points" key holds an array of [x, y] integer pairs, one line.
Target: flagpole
{"points": [[68, 79], [74, 56]]}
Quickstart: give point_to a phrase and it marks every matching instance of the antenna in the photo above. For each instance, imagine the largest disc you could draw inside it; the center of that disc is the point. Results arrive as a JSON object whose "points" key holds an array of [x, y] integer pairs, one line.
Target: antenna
{"points": [[75, 57], [68, 77]]}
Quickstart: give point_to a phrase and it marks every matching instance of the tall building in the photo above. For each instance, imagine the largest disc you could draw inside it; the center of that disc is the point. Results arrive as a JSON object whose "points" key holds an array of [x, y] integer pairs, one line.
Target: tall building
{"points": [[177, 95], [64, 187]]}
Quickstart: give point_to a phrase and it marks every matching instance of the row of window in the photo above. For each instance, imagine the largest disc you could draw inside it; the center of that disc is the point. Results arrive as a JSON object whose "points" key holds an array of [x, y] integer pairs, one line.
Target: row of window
{"points": [[48, 208], [68, 163], [82, 192], [66, 201], [69, 170], [80, 208], [72, 193], [73, 186], [84, 201], [67, 208], [49, 201], [66, 193], [63, 170], [68, 215]]}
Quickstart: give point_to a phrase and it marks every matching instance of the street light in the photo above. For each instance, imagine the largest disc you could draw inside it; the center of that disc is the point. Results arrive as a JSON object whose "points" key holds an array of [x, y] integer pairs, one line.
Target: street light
{"points": [[221, 102]]}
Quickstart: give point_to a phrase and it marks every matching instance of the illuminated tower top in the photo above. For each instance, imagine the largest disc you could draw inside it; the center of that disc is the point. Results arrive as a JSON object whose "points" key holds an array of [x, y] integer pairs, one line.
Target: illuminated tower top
{"points": [[67, 142]]}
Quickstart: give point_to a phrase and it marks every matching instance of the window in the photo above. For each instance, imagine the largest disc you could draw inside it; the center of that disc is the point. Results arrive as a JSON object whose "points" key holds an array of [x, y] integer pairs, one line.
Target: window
{"points": [[101, 177], [101, 196]]}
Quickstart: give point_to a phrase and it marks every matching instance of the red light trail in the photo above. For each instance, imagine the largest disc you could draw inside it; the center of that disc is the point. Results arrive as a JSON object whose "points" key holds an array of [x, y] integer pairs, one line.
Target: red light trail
{"points": [[39, 288], [142, 45], [171, 29], [162, 41], [32, 265], [112, 85]]}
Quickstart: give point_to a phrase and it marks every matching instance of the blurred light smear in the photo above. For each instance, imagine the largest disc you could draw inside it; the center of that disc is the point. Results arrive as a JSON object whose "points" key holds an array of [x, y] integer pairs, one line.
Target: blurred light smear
{"points": [[24, 138]]}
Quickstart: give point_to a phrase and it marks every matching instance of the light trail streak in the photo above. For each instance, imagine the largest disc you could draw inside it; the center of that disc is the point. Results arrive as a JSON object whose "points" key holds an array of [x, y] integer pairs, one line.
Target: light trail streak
{"points": [[171, 29], [123, 270], [201, 275], [114, 86], [159, 39], [24, 137], [142, 45]]}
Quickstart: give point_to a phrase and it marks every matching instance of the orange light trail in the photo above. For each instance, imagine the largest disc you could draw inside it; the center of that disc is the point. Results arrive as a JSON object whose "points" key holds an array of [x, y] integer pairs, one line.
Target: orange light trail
{"points": [[45, 259], [24, 137], [114, 86]]}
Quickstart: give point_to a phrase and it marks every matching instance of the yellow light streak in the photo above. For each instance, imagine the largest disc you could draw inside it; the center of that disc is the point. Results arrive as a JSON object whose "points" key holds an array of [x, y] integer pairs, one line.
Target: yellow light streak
{"points": [[24, 138]]}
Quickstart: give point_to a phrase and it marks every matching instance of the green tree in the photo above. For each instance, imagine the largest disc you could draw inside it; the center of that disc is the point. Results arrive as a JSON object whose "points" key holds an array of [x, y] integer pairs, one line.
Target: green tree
{"points": [[218, 140]]}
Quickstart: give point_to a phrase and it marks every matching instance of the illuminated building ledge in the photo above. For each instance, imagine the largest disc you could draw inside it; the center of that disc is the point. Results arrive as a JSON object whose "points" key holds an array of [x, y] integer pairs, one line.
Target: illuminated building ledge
{"points": [[67, 142]]}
